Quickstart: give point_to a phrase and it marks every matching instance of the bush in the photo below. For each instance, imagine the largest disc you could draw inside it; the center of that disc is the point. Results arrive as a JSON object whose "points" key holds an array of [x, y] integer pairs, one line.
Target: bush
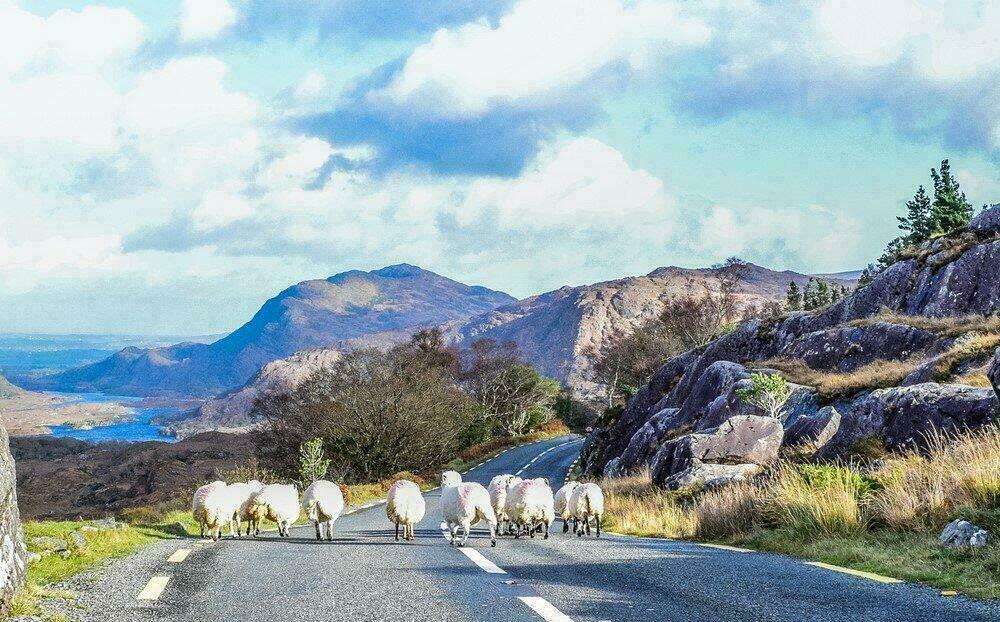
{"points": [[768, 392]]}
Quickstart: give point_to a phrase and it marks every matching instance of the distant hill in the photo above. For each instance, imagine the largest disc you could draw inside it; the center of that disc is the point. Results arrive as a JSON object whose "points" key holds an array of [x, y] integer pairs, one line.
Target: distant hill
{"points": [[351, 307], [7, 389], [554, 329]]}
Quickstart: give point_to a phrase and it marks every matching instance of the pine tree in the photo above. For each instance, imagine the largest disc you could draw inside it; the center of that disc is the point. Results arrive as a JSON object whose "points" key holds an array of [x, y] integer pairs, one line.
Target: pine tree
{"points": [[794, 297], [866, 276], [823, 297], [835, 293], [950, 209], [809, 295], [917, 222]]}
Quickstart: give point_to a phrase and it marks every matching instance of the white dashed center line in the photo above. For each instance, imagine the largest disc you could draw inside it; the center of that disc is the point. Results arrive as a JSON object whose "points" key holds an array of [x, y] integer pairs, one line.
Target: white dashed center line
{"points": [[484, 564], [545, 609], [154, 588], [179, 556]]}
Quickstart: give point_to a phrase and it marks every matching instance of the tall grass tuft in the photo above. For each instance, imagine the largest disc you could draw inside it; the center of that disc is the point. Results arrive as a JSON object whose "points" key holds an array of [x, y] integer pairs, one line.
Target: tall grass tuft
{"points": [[634, 505]]}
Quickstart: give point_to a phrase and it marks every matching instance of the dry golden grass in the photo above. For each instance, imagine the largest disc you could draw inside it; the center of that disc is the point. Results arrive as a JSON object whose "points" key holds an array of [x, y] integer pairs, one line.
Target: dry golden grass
{"points": [[922, 493], [832, 385], [944, 326], [971, 346], [812, 506], [731, 511], [634, 505]]}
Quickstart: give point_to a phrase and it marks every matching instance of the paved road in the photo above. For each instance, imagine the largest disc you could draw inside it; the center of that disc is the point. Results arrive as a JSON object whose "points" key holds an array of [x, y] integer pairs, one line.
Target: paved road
{"points": [[365, 575]]}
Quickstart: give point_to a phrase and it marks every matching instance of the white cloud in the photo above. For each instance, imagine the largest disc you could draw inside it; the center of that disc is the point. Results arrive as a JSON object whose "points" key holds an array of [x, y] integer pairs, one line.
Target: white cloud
{"points": [[540, 50], [202, 20]]}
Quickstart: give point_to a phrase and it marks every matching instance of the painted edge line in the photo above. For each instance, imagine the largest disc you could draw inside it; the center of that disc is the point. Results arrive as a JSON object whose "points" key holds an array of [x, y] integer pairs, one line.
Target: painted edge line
{"points": [[725, 547], [857, 573], [545, 609], [154, 588]]}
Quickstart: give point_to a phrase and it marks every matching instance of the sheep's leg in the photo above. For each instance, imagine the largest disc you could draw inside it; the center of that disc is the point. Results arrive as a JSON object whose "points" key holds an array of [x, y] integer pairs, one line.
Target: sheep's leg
{"points": [[413, 535], [493, 535], [586, 523], [397, 532], [329, 531], [466, 528], [597, 519], [453, 528], [565, 525], [546, 531], [239, 526], [532, 528]]}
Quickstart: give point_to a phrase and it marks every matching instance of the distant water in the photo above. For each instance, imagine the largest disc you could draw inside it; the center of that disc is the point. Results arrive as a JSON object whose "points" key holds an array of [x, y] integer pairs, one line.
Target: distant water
{"points": [[136, 429]]}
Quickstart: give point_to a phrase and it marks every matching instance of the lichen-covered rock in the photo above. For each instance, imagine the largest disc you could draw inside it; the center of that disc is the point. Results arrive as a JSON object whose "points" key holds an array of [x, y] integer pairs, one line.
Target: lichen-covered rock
{"points": [[703, 475], [845, 349], [740, 440], [13, 553], [963, 534], [816, 429], [646, 441], [987, 222], [906, 417]]}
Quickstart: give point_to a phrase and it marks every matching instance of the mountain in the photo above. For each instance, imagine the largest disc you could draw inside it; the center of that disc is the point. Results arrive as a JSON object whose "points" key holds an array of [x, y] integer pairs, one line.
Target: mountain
{"points": [[554, 329], [351, 307]]}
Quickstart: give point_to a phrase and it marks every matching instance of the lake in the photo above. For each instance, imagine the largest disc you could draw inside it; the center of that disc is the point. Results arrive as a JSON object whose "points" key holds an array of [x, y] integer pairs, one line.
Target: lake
{"points": [[133, 430]]}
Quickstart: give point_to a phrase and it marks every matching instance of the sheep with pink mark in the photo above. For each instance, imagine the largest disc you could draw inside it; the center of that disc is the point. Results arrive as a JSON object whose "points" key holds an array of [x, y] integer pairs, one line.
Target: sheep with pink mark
{"points": [[275, 502], [530, 506], [405, 507], [213, 506], [465, 504]]}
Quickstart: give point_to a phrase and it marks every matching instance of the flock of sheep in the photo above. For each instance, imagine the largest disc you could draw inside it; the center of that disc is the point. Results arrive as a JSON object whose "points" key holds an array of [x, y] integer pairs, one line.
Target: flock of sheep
{"points": [[509, 506]]}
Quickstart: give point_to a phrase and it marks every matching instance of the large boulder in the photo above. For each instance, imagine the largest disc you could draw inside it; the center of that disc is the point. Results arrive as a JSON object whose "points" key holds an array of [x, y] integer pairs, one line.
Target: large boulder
{"points": [[847, 348], [987, 222], [13, 552], [741, 440], [816, 429]]}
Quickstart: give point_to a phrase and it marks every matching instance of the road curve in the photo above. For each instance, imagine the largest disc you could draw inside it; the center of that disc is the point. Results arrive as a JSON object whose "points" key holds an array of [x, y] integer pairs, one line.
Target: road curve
{"points": [[365, 575]]}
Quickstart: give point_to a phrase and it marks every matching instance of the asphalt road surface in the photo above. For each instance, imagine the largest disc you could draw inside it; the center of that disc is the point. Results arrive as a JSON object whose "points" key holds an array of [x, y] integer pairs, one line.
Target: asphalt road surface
{"points": [[365, 575]]}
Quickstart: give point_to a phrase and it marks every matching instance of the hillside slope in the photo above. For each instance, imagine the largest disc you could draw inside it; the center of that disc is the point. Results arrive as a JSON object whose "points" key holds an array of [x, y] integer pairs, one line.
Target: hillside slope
{"points": [[910, 354], [553, 330], [352, 305]]}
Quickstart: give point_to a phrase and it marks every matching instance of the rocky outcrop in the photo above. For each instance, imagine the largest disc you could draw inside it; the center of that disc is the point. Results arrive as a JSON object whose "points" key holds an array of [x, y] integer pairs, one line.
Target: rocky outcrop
{"points": [[13, 553], [743, 443], [994, 372], [958, 275]]}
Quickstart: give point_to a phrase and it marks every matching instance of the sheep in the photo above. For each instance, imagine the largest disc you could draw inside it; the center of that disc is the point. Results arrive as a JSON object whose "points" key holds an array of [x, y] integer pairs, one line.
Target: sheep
{"points": [[199, 509], [530, 504], [465, 504], [499, 486], [450, 478], [277, 502], [562, 503], [243, 513], [587, 501], [405, 506], [323, 502]]}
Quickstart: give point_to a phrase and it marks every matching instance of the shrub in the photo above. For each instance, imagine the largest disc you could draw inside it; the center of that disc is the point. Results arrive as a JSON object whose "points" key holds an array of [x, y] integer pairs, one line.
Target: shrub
{"points": [[313, 463], [768, 392], [812, 506]]}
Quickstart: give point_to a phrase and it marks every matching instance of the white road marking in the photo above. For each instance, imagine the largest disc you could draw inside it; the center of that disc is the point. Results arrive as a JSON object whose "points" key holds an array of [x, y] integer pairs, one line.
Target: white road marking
{"points": [[179, 556], [726, 547], [480, 560], [154, 588], [545, 609]]}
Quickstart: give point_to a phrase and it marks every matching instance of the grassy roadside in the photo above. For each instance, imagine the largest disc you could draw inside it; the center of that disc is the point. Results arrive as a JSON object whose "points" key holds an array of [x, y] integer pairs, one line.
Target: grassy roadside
{"points": [[145, 525], [884, 517]]}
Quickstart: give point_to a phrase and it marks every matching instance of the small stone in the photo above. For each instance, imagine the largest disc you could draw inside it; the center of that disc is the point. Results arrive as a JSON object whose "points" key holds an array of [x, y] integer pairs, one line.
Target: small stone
{"points": [[963, 534], [77, 540], [34, 557], [48, 543]]}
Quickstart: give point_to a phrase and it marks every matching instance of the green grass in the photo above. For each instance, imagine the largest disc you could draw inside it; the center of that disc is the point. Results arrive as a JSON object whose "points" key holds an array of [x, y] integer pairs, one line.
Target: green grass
{"points": [[911, 557]]}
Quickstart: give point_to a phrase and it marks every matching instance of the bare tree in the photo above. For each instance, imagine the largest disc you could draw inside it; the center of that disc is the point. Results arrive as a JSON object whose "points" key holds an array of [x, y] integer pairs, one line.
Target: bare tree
{"points": [[627, 360]]}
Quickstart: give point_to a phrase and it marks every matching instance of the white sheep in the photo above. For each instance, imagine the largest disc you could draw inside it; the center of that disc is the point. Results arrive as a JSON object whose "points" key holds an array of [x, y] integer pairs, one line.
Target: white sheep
{"points": [[450, 478], [530, 505], [405, 506], [207, 518], [499, 486], [323, 502], [465, 504], [276, 502], [562, 503], [243, 513], [586, 502]]}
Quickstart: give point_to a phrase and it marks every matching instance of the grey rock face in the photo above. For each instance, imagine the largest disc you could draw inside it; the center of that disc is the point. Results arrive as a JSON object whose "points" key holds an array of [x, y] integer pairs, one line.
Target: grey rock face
{"points": [[740, 440], [905, 417], [963, 534], [817, 428], [710, 475], [13, 553], [846, 349], [987, 222]]}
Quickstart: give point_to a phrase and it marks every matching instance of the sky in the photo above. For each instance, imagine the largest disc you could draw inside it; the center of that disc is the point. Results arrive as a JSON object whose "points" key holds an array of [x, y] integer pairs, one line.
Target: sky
{"points": [[165, 167]]}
